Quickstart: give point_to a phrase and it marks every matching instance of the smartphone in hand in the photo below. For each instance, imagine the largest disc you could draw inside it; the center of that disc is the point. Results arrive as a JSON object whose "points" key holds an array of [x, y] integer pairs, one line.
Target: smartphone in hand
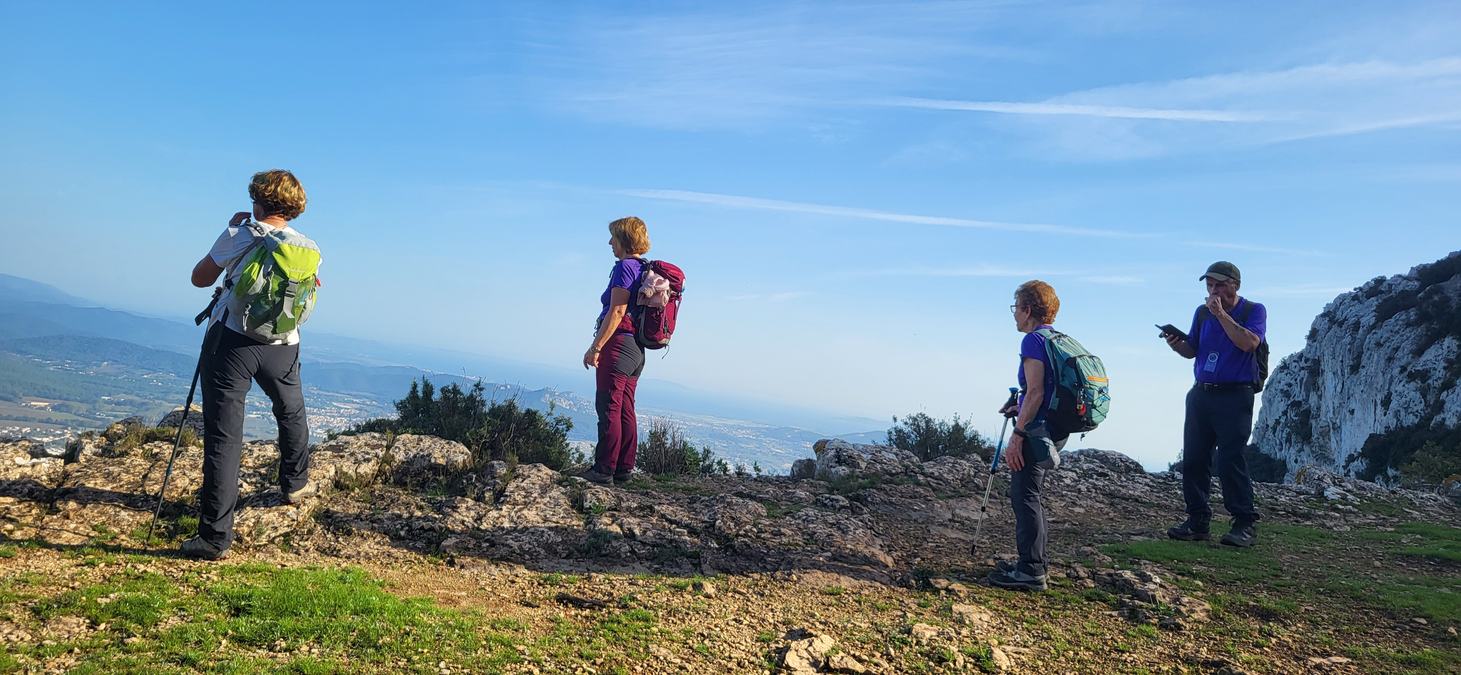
{"points": [[1169, 329]]}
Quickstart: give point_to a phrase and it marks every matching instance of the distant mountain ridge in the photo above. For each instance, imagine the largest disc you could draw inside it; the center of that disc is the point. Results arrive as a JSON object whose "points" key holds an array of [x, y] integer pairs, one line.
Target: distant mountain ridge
{"points": [[20, 288], [56, 346]]}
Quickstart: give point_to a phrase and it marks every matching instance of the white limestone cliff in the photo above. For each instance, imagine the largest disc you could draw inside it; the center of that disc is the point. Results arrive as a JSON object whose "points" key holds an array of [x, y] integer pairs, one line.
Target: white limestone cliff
{"points": [[1378, 360]]}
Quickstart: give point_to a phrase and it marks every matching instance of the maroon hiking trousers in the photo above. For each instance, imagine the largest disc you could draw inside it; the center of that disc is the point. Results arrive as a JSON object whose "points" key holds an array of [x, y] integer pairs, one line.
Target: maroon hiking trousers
{"points": [[620, 364]]}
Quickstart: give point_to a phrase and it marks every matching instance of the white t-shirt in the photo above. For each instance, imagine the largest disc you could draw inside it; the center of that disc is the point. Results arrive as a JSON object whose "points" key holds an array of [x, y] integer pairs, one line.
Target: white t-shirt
{"points": [[227, 253]]}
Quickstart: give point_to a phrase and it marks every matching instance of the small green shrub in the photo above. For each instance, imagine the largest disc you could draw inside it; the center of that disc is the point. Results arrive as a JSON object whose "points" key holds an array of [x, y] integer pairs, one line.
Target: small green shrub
{"points": [[666, 451], [497, 431], [928, 438], [1420, 454]]}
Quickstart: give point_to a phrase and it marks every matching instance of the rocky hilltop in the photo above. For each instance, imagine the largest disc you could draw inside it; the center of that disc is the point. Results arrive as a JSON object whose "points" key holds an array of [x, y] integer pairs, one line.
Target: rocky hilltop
{"points": [[1377, 378], [861, 564]]}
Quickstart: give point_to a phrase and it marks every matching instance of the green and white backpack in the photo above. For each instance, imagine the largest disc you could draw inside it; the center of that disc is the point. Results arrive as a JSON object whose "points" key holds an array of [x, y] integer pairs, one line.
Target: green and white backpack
{"points": [[274, 292]]}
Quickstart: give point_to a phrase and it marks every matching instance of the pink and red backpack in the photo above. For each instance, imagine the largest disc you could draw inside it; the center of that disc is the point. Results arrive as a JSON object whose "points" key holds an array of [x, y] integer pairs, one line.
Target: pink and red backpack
{"points": [[660, 286]]}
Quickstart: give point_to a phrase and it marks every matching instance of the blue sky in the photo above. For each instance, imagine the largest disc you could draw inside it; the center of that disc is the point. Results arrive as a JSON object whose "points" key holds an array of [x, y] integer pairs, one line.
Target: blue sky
{"points": [[854, 189]]}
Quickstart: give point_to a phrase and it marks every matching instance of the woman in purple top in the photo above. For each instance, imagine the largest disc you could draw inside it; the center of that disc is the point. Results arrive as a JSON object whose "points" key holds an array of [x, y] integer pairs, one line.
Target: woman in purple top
{"points": [[1034, 449], [617, 357]]}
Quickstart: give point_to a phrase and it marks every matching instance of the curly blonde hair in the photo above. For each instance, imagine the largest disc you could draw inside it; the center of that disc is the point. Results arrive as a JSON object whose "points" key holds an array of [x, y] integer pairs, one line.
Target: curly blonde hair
{"points": [[1038, 297], [632, 235], [278, 193]]}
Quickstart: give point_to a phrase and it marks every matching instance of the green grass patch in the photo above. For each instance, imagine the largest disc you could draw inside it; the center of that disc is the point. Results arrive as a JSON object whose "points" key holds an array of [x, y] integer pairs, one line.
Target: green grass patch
{"points": [[1292, 566], [1144, 631], [318, 620], [557, 580], [1421, 540], [1424, 660], [137, 601], [169, 531], [779, 510]]}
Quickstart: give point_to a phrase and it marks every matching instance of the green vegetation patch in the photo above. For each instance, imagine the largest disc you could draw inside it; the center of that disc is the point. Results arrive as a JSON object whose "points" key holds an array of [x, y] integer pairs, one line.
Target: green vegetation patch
{"points": [[256, 618], [1294, 568], [1331, 563], [1421, 540]]}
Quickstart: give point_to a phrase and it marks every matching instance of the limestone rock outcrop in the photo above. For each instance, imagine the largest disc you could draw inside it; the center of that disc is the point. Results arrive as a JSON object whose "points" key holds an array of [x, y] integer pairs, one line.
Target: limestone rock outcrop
{"points": [[1383, 358]]}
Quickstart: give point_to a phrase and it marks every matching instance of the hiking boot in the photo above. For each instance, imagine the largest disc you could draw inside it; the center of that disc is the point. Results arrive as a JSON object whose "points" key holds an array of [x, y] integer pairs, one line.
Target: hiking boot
{"points": [[1190, 530], [1017, 580], [298, 496], [1242, 535], [622, 478], [593, 476], [1007, 566], [197, 549]]}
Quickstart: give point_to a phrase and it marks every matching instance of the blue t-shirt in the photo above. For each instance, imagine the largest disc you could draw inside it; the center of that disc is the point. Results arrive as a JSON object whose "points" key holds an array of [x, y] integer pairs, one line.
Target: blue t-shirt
{"points": [[1219, 361], [625, 275], [1033, 347]]}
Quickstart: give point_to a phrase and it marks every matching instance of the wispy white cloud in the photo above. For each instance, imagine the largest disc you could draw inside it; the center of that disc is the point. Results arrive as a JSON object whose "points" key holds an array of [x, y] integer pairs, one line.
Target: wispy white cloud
{"points": [[741, 202], [1254, 248], [1076, 110], [740, 68], [1441, 120], [1274, 106]]}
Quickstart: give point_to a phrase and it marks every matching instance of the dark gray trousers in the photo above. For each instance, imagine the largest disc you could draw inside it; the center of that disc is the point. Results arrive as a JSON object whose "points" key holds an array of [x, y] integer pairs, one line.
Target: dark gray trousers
{"points": [[227, 374], [1042, 455], [1216, 433]]}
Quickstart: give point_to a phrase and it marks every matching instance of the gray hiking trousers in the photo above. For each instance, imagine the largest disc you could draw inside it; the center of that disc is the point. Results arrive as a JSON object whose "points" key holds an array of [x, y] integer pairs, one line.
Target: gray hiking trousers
{"points": [[227, 375], [1042, 455]]}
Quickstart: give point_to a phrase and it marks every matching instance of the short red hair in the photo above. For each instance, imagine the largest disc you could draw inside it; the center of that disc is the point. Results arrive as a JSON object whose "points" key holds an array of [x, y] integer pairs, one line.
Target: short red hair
{"points": [[1038, 297]]}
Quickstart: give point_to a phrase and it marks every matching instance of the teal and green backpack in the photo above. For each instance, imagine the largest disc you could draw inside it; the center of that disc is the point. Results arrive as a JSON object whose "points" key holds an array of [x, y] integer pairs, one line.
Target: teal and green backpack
{"points": [[1082, 396], [274, 292]]}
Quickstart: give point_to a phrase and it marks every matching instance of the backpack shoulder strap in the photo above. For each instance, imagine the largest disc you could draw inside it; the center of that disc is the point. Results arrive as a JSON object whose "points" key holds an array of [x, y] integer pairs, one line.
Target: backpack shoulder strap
{"points": [[259, 234], [1052, 398], [1245, 311]]}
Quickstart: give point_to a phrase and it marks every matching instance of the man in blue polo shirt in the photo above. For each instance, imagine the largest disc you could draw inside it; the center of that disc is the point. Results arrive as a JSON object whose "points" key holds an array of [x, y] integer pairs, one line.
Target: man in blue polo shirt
{"points": [[1226, 333]]}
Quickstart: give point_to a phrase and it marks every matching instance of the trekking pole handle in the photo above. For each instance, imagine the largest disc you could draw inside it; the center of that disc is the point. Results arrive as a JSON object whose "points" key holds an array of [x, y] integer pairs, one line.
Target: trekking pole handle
{"points": [[999, 448], [203, 315]]}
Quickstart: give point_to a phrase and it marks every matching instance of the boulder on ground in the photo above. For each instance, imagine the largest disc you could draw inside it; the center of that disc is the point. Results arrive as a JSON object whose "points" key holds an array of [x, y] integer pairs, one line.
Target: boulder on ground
{"points": [[174, 419], [837, 459]]}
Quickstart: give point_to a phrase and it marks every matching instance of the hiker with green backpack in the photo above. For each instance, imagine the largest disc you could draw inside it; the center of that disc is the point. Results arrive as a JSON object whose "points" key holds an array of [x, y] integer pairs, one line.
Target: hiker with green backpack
{"points": [[268, 291], [1228, 343], [1064, 390]]}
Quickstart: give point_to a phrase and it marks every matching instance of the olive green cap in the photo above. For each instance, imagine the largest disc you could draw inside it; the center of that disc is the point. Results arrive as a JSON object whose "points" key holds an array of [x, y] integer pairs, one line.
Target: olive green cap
{"points": [[1222, 270]]}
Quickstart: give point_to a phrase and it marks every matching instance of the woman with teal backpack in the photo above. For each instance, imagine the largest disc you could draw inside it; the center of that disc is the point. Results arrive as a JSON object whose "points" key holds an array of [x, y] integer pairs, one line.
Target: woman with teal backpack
{"points": [[1034, 449]]}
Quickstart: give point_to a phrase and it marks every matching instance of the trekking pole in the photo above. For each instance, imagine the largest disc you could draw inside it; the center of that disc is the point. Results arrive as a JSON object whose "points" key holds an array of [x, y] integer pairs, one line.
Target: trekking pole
{"points": [[188, 406], [993, 465]]}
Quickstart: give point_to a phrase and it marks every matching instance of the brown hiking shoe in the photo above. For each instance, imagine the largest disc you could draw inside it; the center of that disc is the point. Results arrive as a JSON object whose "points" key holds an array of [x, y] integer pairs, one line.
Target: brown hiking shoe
{"points": [[298, 496], [593, 476]]}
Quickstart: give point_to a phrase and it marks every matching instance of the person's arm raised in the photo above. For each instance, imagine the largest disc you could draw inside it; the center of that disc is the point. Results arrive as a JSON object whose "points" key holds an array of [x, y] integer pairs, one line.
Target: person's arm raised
{"points": [[1242, 338], [206, 272]]}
